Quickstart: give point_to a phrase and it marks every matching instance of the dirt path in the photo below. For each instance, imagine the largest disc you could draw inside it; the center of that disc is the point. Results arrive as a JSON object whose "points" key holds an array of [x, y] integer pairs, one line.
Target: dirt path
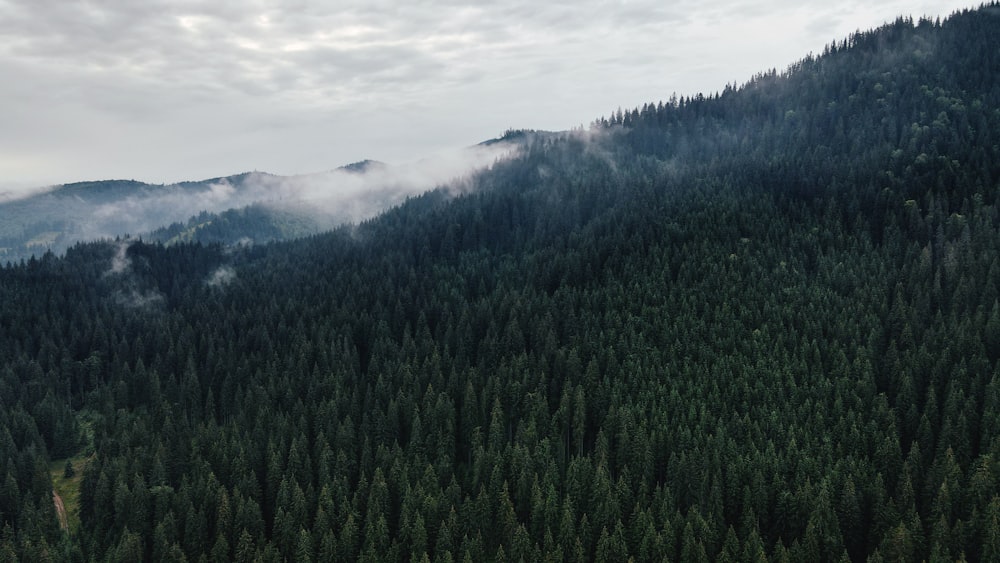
{"points": [[60, 511]]}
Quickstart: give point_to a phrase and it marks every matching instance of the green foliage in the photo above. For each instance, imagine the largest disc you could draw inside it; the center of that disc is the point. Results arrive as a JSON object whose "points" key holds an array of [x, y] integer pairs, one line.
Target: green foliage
{"points": [[252, 224], [67, 478], [755, 326]]}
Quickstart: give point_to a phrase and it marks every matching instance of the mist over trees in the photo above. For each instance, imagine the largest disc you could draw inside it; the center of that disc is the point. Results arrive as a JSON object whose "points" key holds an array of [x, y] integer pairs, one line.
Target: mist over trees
{"points": [[253, 207], [760, 325]]}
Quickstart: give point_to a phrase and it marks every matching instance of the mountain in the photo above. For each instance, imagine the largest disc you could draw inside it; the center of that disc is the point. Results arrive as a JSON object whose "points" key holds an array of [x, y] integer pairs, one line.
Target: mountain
{"points": [[56, 219], [758, 325], [253, 207]]}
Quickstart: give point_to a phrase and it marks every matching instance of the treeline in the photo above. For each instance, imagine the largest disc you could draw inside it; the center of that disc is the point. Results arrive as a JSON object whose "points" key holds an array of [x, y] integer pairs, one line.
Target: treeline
{"points": [[757, 326], [253, 224]]}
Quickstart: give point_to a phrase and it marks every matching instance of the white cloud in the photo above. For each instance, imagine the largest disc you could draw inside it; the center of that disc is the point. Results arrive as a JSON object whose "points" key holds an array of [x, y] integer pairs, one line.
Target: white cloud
{"points": [[120, 261], [163, 91], [221, 277], [328, 198]]}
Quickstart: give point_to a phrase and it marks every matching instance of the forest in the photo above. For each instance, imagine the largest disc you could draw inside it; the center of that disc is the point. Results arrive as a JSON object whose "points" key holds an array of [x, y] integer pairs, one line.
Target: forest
{"points": [[760, 325]]}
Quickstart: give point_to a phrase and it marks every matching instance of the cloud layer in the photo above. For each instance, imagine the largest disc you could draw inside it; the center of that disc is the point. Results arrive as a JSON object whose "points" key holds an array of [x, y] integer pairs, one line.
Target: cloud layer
{"points": [[164, 90], [327, 199]]}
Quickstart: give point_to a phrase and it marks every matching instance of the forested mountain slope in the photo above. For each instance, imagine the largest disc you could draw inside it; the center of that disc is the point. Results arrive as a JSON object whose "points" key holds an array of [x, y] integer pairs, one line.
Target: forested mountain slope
{"points": [[248, 208], [56, 219], [756, 326]]}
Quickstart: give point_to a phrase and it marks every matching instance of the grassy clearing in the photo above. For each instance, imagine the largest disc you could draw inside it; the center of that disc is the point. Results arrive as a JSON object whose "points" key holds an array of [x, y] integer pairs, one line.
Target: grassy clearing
{"points": [[69, 489]]}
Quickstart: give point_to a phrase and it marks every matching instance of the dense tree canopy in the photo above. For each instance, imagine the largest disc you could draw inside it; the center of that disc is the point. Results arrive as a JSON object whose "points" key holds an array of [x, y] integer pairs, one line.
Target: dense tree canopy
{"points": [[762, 325]]}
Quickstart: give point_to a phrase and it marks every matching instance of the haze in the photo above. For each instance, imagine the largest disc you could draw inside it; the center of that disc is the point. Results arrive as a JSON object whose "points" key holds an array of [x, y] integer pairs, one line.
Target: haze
{"points": [[166, 91]]}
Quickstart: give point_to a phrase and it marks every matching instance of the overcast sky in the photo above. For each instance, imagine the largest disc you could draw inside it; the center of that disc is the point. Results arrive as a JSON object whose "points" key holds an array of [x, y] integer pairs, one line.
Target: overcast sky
{"points": [[163, 91]]}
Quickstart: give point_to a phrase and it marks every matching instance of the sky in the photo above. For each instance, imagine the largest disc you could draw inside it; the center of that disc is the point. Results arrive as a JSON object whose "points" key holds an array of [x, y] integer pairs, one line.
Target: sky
{"points": [[168, 90]]}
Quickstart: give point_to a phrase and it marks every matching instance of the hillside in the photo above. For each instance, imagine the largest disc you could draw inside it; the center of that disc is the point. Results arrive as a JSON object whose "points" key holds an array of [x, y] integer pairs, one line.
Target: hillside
{"points": [[58, 218], [759, 325], [248, 208]]}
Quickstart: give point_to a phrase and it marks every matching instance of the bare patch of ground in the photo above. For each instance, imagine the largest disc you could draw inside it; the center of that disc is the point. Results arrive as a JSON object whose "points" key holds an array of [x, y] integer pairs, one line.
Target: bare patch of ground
{"points": [[60, 511]]}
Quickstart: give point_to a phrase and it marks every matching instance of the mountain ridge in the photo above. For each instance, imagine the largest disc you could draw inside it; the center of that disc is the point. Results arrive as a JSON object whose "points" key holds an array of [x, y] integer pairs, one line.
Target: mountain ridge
{"points": [[59, 217]]}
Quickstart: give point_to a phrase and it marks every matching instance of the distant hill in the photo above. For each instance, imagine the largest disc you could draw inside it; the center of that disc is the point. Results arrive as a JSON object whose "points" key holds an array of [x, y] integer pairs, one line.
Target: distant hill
{"points": [[252, 206], [54, 220]]}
